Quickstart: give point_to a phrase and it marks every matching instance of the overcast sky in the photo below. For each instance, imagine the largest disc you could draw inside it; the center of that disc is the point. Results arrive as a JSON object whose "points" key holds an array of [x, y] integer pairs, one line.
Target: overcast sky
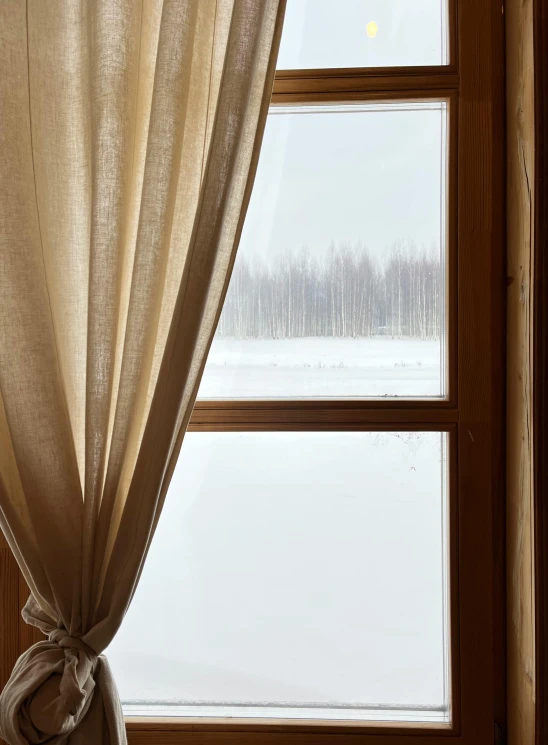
{"points": [[360, 174], [322, 580], [367, 173], [333, 33]]}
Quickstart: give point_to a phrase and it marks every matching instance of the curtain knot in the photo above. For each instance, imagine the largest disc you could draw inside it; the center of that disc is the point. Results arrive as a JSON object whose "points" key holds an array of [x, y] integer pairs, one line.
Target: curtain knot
{"points": [[67, 641], [51, 687]]}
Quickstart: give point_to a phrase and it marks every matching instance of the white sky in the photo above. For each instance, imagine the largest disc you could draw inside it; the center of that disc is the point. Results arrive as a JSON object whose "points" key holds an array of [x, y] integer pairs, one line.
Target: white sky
{"points": [[367, 173], [333, 33], [368, 176], [321, 581]]}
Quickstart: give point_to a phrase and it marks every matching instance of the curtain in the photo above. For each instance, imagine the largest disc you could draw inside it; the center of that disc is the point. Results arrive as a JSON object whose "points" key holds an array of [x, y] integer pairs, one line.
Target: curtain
{"points": [[129, 140]]}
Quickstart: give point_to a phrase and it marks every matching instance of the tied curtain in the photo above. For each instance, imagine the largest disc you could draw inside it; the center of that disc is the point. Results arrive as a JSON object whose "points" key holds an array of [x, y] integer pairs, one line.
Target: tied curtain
{"points": [[129, 138]]}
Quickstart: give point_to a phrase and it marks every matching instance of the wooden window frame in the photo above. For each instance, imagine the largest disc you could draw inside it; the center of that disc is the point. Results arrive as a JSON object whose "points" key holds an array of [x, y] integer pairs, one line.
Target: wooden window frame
{"points": [[539, 691], [473, 84]]}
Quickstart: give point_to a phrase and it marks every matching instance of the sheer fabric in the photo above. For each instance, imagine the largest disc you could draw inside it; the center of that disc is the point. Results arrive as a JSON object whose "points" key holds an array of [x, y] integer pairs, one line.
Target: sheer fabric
{"points": [[129, 140]]}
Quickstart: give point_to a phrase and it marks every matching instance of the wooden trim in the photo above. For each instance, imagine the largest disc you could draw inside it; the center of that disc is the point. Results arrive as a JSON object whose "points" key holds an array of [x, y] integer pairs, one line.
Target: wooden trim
{"points": [[497, 423], [300, 418], [372, 80], [377, 425], [313, 404], [540, 368], [240, 736], [453, 250], [519, 451], [256, 726], [341, 94], [453, 25], [481, 401]]}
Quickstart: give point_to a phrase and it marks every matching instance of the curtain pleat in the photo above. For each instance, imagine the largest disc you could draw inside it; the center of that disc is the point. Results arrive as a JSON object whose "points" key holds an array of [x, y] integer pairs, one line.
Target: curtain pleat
{"points": [[129, 142]]}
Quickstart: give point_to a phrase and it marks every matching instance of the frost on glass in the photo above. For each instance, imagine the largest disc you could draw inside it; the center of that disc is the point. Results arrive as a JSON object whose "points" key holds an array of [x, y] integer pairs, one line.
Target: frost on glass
{"points": [[339, 285], [295, 575], [363, 33]]}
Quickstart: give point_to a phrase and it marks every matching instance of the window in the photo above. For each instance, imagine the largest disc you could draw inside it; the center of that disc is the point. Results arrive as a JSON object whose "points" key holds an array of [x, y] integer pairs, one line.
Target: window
{"points": [[316, 588], [340, 280], [358, 33], [333, 515]]}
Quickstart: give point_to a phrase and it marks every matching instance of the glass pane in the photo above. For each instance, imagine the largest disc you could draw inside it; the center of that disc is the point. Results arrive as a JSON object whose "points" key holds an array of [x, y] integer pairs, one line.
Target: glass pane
{"points": [[339, 284], [295, 575], [363, 33]]}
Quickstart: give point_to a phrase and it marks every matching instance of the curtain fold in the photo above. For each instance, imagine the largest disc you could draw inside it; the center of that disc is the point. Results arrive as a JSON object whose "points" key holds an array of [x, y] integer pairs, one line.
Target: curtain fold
{"points": [[129, 141]]}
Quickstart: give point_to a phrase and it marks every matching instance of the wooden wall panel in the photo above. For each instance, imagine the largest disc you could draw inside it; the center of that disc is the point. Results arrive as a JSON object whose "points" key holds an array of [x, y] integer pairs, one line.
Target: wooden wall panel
{"points": [[519, 513], [540, 366], [9, 612]]}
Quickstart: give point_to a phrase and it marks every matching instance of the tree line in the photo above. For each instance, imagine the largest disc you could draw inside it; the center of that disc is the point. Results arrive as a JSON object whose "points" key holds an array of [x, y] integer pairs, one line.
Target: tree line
{"points": [[347, 293]]}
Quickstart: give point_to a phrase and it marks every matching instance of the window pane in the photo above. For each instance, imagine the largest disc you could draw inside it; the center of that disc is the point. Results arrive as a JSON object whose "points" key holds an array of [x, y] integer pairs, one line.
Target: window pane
{"points": [[295, 575], [363, 33], [339, 284]]}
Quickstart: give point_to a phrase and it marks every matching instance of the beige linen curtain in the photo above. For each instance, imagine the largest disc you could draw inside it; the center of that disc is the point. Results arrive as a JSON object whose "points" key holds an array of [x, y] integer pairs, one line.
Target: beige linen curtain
{"points": [[129, 136]]}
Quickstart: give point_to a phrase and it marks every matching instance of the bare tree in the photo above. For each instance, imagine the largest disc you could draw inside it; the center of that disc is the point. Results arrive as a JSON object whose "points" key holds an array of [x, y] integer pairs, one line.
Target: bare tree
{"points": [[346, 295]]}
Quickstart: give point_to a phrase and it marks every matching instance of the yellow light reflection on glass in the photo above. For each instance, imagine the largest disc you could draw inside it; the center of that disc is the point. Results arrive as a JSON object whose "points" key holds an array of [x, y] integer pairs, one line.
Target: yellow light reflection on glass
{"points": [[371, 29]]}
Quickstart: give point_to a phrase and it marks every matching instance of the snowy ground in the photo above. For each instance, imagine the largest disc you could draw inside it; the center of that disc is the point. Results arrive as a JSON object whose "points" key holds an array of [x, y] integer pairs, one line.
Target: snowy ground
{"points": [[298, 570], [318, 367]]}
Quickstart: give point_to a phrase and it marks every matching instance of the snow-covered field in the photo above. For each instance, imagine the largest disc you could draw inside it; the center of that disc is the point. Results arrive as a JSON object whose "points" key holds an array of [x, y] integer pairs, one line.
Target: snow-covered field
{"points": [[323, 366], [294, 570]]}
